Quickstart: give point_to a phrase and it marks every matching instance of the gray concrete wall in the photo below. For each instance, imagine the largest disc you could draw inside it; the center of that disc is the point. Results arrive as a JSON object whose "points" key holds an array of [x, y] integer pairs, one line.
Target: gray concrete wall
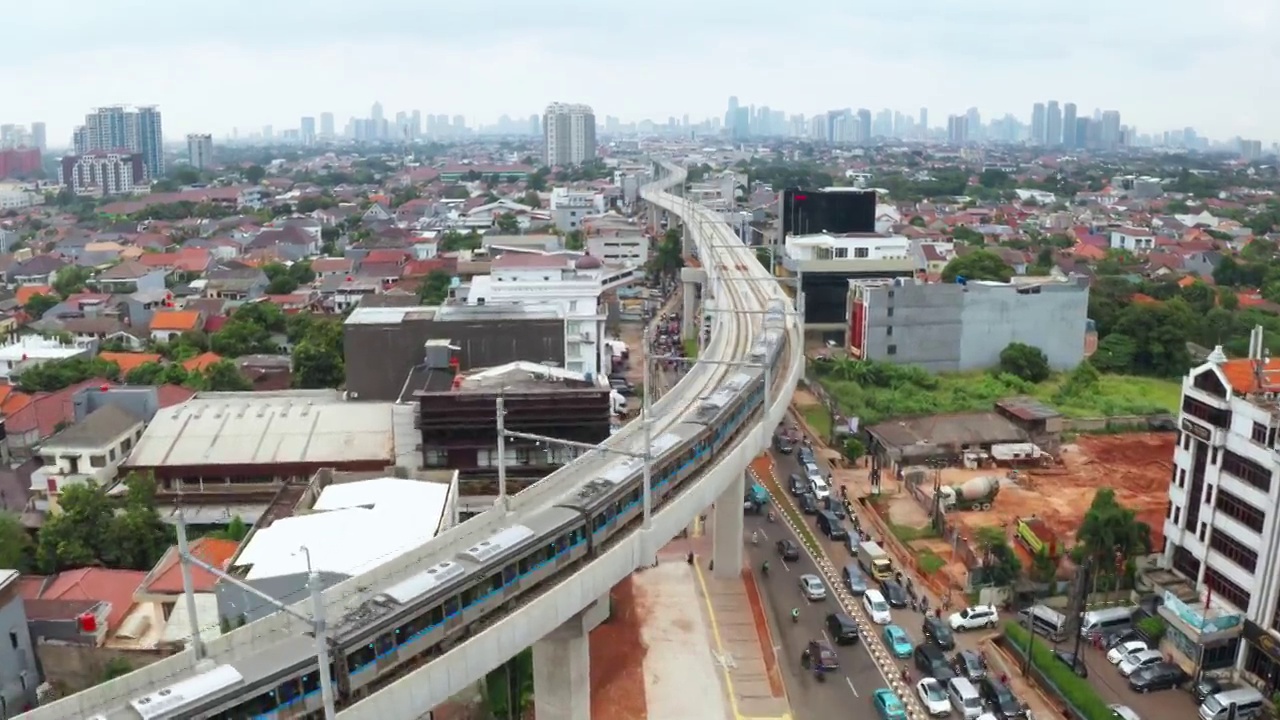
{"points": [[925, 322], [1052, 319], [14, 662]]}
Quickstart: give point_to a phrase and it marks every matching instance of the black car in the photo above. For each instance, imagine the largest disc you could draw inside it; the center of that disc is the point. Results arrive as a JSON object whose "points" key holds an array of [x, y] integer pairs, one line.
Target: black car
{"points": [[1161, 676], [930, 661], [1073, 662], [842, 628], [935, 630], [833, 505], [1206, 686], [894, 594], [819, 656], [1120, 637], [788, 550], [799, 485], [1001, 700], [808, 504], [969, 664]]}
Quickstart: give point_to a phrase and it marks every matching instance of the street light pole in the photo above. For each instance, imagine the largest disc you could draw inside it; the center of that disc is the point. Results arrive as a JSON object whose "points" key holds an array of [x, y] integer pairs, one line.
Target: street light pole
{"points": [[322, 639]]}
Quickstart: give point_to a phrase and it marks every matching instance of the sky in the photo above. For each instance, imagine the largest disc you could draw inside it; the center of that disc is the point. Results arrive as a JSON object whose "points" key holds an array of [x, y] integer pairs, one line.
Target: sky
{"points": [[1164, 64]]}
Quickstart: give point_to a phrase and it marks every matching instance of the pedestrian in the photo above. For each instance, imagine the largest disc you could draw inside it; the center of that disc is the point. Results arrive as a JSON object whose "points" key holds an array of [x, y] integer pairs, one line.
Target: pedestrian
{"points": [[690, 558], [1004, 679], [906, 676]]}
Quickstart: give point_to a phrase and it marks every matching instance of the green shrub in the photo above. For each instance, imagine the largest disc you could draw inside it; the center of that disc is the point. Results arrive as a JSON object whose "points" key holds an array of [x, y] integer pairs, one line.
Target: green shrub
{"points": [[1153, 627], [1071, 687]]}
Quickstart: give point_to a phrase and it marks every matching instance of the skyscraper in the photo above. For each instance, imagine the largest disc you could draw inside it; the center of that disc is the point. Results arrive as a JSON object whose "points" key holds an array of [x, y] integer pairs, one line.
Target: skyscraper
{"points": [[38, 137], [924, 123], [114, 129], [326, 125], [1053, 125], [957, 129], [569, 134], [864, 125], [1110, 129], [1038, 128], [1069, 125], [200, 151], [307, 130]]}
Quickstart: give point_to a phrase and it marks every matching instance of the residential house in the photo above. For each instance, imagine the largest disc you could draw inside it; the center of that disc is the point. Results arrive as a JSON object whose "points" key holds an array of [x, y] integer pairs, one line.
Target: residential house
{"points": [[137, 308], [88, 452], [339, 293], [168, 325], [330, 266], [38, 270], [24, 294], [19, 674], [27, 350], [130, 361], [377, 212], [1019, 260], [161, 591], [267, 372], [201, 362], [130, 276], [1134, 240], [188, 260], [290, 242], [236, 283], [292, 304], [1202, 262], [97, 330], [329, 217]]}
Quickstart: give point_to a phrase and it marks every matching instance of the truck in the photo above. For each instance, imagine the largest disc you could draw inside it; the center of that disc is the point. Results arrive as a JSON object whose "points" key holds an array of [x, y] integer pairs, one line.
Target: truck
{"points": [[875, 560], [1035, 534], [976, 494]]}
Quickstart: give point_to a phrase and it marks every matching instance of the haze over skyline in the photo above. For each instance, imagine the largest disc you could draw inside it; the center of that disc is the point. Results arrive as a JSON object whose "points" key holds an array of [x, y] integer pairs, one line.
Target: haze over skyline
{"points": [[251, 63]]}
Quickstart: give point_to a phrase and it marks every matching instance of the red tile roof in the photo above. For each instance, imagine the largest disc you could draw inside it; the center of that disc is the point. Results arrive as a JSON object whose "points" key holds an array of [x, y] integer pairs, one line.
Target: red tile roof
{"points": [[112, 586], [170, 395], [175, 320], [128, 360], [1242, 376], [166, 577], [185, 260], [201, 361], [46, 410]]}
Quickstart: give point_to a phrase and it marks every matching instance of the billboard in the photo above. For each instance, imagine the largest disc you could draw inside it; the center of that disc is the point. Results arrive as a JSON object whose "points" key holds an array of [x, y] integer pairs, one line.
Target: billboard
{"points": [[832, 210]]}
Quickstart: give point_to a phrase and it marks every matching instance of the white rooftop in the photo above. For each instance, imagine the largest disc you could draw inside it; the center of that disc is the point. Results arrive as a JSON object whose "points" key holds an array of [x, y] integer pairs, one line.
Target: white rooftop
{"points": [[388, 516], [30, 347], [263, 428]]}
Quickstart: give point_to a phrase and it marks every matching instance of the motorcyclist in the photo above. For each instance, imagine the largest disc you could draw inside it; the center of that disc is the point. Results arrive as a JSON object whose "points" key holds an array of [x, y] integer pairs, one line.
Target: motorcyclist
{"points": [[764, 569], [755, 538], [795, 614]]}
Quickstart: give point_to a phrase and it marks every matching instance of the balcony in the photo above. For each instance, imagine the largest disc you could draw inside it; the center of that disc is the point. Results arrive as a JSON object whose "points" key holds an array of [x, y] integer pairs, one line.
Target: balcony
{"points": [[1202, 621]]}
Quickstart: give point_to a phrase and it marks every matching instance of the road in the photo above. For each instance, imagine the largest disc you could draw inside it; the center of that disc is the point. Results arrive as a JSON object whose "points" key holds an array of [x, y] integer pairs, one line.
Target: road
{"points": [[810, 699]]}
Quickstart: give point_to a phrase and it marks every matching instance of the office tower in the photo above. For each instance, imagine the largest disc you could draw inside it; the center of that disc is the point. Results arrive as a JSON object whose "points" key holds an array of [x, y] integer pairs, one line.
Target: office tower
{"points": [[1083, 129], [1053, 124], [1038, 121], [200, 151], [569, 134], [307, 131], [535, 125], [957, 129], [924, 119], [38, 137], [731, 114], [973, 124], [378, 121], [864, 126], [1069, 125], [1110, 129], [415, 124], [326, 125]]}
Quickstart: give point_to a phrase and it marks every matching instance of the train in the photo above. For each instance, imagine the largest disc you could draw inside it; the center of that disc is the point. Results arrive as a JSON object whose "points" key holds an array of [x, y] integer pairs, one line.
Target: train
{"points": [[422, 616]]}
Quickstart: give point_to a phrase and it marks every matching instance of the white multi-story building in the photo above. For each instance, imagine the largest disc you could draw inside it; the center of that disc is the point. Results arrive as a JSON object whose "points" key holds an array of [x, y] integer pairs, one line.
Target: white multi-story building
{"points": [[88, 452], [572, 284], [29, 348], [569, 134], [1134, 240], [614, 248], [1222, 531], [103, 173], [569, 207], [200, 151]]}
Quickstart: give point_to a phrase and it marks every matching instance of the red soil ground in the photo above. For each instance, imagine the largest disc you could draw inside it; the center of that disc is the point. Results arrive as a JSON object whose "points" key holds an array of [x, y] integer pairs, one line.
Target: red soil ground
{"points": [[617, 659], [762, 631]]}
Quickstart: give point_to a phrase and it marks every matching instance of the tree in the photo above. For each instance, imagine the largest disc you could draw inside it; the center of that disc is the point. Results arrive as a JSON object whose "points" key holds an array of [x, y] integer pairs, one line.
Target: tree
{"points": [[669, 257], [1000, 565], [157, 374], [1110, 534], [249, 330], [1115, 353], [854, 449], [285, 279], [221, 376], [136, 537], [434, 288], [236, 530], [58, 374], [507, 223], [574, 240], [1024, 361], [40, 304], [254, 174], [16, 548], [72, 537], [977, 265], [71, 279], [764, 256], [531, 199], [317, 358]]}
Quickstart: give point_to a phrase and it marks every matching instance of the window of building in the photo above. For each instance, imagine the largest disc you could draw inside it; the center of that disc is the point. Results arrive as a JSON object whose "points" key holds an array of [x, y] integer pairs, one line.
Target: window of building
{"points": [[888, 330], [1212, 415], [1259, 433], [434, 457], [891, 350], [1186, 563], [841, 253], [1224, 588], [861, 252], [98, 461], [1208, 381], [1234, 550], [889, 312], [13, 639], [1240, 511], [1247, 470]]}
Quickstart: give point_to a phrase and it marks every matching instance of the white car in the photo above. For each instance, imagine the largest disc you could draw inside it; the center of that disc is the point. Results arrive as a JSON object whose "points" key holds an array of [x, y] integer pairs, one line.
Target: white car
{"points": [[988, 716], [821, 490], [1138, 660], [812, 587], [1124, 712], [972, 618], [1125, 649], [877, 609], [933, 697]]}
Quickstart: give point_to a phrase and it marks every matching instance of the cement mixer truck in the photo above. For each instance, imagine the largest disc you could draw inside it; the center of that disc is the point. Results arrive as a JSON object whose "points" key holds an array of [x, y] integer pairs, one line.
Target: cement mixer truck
{"points": [[975, 494]]}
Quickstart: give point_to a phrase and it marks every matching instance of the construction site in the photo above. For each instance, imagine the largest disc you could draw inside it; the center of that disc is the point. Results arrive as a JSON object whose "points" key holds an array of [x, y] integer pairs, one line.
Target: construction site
{"points": [[1038, 505]]}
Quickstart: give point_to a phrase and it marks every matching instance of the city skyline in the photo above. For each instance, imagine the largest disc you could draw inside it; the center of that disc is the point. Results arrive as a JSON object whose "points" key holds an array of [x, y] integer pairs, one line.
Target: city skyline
{"points": [[200, 84]]}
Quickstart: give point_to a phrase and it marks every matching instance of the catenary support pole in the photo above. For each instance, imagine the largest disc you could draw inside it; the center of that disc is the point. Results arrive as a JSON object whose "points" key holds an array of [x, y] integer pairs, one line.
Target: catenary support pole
{"points": [[188, 587], [502, 456], [322, 641], [647, 453]]}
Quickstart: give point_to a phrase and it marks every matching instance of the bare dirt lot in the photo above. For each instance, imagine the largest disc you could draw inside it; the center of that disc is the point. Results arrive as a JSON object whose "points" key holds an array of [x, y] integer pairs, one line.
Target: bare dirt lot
{"points": [[617, 659]]}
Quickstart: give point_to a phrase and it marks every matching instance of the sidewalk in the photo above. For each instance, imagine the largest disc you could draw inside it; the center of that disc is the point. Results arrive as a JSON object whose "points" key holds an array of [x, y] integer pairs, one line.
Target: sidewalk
{"points": [[1037, 702], [740, 639]]}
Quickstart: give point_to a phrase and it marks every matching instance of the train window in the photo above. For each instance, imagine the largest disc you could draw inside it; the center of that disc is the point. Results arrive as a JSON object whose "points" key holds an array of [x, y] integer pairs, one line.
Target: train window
{"points": [[385, 643], [562, 543], [289, 690], [495, 583], [264, 703], [509, 574], [469, 596], [526, 564], [451, 606], [310, 682], [411, 628], [436, 615], [360, 657]]}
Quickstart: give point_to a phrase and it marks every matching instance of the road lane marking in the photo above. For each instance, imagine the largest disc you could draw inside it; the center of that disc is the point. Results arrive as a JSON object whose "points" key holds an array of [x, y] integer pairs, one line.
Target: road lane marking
{"points": [[763, 534], [851, 687]]}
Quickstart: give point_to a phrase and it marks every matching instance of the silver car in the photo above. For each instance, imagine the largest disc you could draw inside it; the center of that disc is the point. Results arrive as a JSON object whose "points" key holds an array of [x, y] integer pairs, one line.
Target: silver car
{"points": [[812, 588]]}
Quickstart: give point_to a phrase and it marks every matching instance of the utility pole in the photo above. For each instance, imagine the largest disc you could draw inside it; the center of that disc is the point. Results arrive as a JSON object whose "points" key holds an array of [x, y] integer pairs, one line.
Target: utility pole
{"points": [[502, 456], [1082, 600], [316, 621], [647, 492]]}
